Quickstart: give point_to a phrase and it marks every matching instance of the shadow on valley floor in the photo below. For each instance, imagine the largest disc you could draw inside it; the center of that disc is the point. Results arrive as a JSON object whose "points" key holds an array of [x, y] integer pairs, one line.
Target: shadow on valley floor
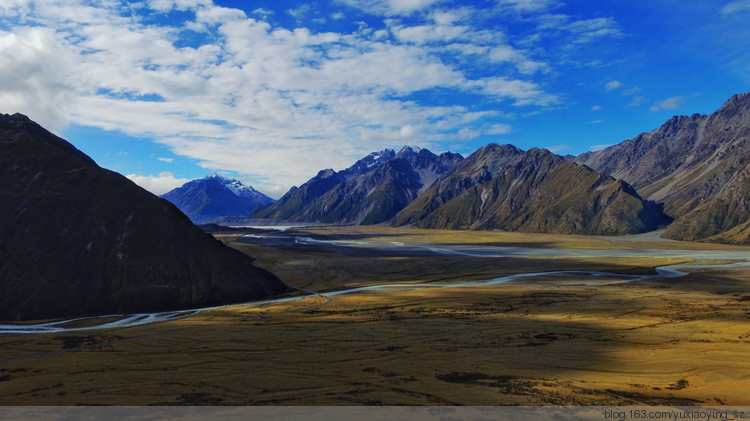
{"points": [[544, 341], [412, 348]]}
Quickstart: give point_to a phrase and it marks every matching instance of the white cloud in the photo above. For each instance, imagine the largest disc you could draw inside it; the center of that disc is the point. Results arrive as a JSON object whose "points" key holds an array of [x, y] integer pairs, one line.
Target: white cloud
{"points": [[596, 107], [527, 6], [579, 31], [34, 78], [499, 128], [595, 122], [588, 30], [391, 7], [467, 134], [9, 7], [263, 101], [423, 34], [735, 7], [557, 148], [672, 103], [523, 92], [167, 160], [612, 85], [167, 5], [506, 53], [594, 148], [264, 13], [157, 184]]}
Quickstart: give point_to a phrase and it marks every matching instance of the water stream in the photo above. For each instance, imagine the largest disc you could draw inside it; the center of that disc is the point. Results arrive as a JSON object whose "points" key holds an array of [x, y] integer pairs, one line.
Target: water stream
{"points": [[582, 278]]}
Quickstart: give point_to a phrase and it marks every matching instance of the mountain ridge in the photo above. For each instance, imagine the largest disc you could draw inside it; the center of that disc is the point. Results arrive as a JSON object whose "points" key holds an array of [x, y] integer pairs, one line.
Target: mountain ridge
{"points": [[696, 165], [502, 187], [77, 239], [369, 192], [207, 199]]}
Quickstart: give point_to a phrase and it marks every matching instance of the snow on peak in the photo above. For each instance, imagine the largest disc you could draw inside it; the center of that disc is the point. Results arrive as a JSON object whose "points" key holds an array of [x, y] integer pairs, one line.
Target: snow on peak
{"points": [[234, 185], [411, 148], [408, 150]]}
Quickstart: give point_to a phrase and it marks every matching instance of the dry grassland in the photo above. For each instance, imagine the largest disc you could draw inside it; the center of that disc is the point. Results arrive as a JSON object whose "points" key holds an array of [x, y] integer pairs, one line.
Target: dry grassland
{"points": [[544, 341]]}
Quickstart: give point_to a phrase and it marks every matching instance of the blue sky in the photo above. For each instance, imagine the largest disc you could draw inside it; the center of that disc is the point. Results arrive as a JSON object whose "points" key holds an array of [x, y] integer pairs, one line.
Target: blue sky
{"points": [[164, 91]]}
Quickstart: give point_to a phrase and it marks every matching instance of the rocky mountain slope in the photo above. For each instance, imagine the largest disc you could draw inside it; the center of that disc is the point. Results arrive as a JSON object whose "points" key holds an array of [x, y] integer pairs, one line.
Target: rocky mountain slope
{"points": [[213, 197], [372, 191], [77, 239], [505, 188], [697, 166]]}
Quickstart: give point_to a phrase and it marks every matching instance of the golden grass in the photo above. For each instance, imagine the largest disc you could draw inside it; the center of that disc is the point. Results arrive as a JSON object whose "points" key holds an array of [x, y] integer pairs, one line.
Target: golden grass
{"points": [[540, 341]]}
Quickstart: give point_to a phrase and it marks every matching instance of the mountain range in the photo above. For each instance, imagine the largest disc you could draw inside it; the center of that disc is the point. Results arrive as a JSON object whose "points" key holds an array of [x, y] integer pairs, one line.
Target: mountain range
{"points": [[208, 199], [371, 191], [77, 239], [698, 166], [694, 170], [497, 187], [504, 188]]}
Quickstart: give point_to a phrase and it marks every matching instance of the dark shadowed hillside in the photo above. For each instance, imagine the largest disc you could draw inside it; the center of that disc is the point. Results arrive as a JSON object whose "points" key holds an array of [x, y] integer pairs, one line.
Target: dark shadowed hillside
{"points": [[76, 239]]}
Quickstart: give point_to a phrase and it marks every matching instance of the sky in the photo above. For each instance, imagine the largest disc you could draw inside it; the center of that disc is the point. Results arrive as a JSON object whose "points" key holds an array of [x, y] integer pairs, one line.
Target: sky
{"points": [[271, 92]]}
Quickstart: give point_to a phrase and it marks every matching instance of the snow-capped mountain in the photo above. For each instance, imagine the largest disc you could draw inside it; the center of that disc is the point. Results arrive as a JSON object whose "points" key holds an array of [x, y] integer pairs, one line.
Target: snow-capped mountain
{"points": [[207, 199], [371, 191]]}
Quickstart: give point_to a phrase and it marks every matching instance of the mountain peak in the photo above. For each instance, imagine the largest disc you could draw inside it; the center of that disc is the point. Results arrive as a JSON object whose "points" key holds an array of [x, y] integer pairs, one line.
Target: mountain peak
{"points": [[214, 175], [88, 241], [409, 149], [207, 199], [737, 103]]}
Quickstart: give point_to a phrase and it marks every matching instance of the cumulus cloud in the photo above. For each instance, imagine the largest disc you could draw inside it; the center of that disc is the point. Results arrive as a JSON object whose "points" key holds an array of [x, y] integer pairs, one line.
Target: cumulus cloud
{"points": [[33, 76], [157, 184], [672, 103], [267, 102]]}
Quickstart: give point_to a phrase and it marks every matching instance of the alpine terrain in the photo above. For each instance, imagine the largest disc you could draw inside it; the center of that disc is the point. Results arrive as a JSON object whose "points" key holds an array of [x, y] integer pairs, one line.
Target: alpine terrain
{"points": [[77, 239], [698, 166], [371, 191], [505, 188], [207, 199]]}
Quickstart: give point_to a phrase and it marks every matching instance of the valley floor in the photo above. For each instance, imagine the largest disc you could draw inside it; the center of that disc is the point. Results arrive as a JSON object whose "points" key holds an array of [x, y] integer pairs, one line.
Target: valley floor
{"points": [[539, 341]]}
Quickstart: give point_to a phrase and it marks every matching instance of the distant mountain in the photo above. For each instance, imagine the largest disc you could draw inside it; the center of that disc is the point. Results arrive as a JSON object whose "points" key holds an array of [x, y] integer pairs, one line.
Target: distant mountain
{"points": [[697, 166], [77, 239], [213, 197], [505, 188], [371, 191]]}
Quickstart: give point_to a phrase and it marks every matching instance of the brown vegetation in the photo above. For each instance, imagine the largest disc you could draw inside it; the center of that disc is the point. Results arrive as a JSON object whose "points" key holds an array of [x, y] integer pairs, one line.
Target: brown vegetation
{"points": [[539, 341]]}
